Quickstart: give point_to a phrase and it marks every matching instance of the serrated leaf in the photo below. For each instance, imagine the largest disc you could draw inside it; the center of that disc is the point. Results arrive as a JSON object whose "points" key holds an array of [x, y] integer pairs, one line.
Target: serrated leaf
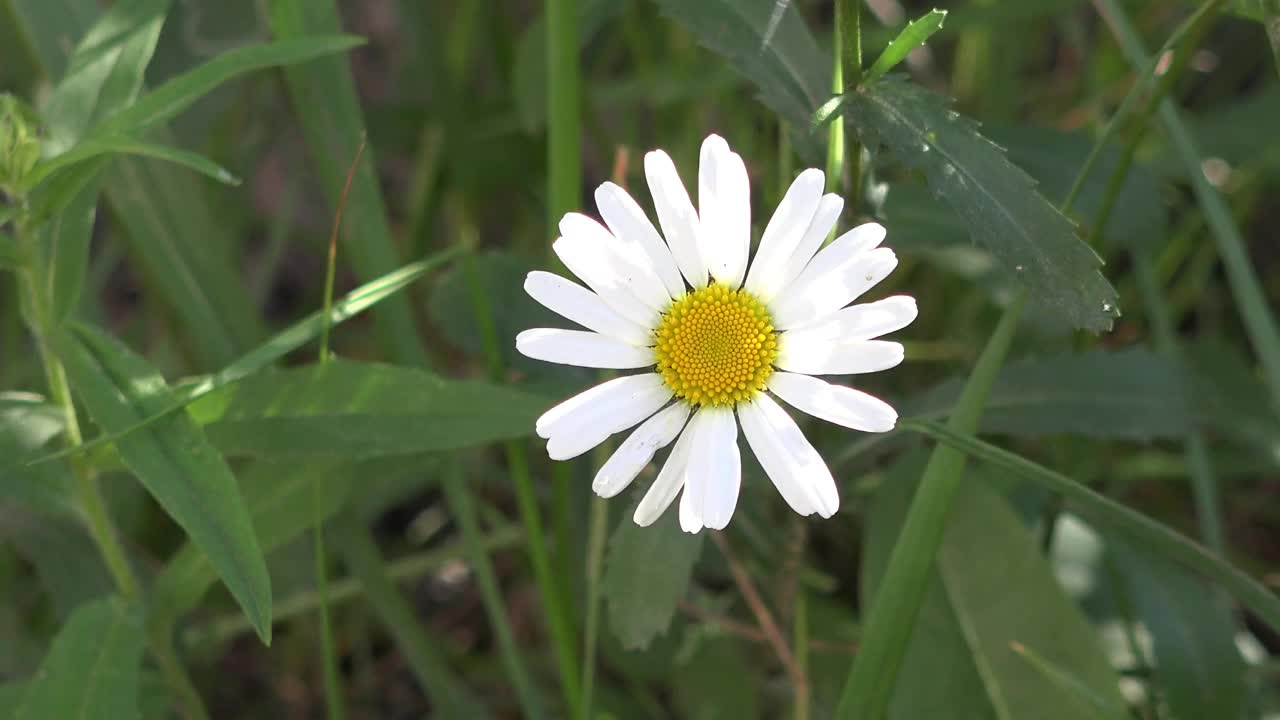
{"points": [[990, 587], [176, 95], [998, 202], [173, 460], [646, 573], [915, 34], [353, 410], [1198, 668], [91, 670], [94, 148], [768, 43]]}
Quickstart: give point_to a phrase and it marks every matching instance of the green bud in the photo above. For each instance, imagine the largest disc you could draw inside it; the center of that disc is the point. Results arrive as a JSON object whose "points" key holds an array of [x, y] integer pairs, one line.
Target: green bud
{"points": [[19, 141]]}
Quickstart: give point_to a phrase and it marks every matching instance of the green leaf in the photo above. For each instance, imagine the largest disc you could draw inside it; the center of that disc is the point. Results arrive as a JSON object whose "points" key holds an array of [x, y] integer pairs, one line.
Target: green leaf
{"points": [[718, 681], [915, 34], [173, 460], [990, 587], [91, 670], [284, 499], [97, 147], [11, 696], [352, 410], [1070, 684], [65, 559], [646, 573], [998, 202], [324, 97], [529, 71], [105, 72], [27, 423], [1106, 513], [1198, 668], [1259, 10], [176, 95], [767, 43]]}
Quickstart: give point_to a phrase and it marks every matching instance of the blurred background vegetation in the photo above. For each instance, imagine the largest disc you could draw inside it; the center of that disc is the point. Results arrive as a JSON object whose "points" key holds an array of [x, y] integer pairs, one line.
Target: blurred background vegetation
{"points": [[427, 551]]}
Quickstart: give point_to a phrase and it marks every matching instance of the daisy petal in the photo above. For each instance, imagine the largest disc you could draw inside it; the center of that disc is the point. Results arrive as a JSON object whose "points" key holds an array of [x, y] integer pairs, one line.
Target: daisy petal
{"points": [[716, 467], [820, 291], [676, 215], [724, 211], [795, 467], [668, 483], [785, 230], [634, 265], [834, 403], [861, 322], [690, 520], [582, 348], [595, 424], [824, 219], [637, 450], [828, 357], [574, 302], [602, 273], [628, 222], [608, 395]]}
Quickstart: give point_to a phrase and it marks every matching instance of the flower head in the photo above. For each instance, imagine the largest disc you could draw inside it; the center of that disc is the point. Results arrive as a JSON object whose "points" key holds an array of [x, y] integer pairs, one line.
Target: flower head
{"points": [[720, 339]]}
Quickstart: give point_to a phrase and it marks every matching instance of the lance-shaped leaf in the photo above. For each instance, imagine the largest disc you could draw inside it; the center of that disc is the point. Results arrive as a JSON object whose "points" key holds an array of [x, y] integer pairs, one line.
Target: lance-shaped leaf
{"points": [[912, 36], [173, 460], [647, 573], [997, 201]]}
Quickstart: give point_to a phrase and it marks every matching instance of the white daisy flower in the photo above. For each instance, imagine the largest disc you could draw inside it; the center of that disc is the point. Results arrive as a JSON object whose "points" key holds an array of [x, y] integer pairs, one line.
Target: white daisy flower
{"points": [[719, 340]]}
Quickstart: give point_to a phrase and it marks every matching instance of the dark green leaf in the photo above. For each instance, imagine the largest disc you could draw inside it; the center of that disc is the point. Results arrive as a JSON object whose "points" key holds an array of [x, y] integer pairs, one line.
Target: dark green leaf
{"points": [[776, 52], [718, 682], [91, 670], [353, 410], [27, 424], [173, 460], [67, 562], [176, 95], [11, 695], [915, 34], [646, 574], [1259, 10], [1197, 666], [100, 146], [997, 201], [991, 587], [324, 95]]}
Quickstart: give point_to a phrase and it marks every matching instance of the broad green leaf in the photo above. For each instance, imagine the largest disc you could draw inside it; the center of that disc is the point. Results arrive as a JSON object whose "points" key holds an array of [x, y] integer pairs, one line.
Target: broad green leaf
{"points": [[1260, 10], [352, 410], [766, 42], [97, 147], [915, 34], [11, 696], [68, 564], [326, 105], [91, 670], [646, 573], [1069, 683], [990, 587], [1112, 516], [176, 95], [1240, 131], [1197, 666], [27, 423], [1131, 393], [173, 460], [284, 499], [997, 202]]}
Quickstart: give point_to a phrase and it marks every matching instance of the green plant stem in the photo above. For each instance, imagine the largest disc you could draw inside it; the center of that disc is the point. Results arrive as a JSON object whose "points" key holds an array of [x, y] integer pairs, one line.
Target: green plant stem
{"points": [[849, 51], [458, 496], [835, 131], [893, 612], [800, 649], [1259, 322], [596, 535], [562, 635], [365, 563], [1106, 512]]}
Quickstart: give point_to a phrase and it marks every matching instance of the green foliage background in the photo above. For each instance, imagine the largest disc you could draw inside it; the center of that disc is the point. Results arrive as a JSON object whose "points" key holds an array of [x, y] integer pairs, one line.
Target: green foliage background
{"points": [[1076, 518]]}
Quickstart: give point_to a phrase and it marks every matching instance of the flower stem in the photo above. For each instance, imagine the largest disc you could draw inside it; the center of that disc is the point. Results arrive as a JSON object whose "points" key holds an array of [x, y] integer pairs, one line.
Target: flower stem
{"points": [[849, 75]]}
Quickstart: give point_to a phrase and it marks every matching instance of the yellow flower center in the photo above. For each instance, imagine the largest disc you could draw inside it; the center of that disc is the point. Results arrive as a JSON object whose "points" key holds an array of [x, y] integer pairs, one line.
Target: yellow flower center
{"points": [[716, 346]]}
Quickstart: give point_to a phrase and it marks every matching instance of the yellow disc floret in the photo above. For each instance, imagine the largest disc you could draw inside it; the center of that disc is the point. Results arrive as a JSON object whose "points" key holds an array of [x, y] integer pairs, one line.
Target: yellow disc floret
{"points": [[716, 346]]}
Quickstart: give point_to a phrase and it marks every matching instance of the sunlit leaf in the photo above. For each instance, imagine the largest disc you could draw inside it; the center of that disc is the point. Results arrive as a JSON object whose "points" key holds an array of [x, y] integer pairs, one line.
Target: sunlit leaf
{"points": [[915, 34], [997, 202]]}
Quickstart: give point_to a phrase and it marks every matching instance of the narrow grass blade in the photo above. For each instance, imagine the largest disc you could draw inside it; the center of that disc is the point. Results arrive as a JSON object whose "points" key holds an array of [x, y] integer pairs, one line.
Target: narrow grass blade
{"points": [[91, 671], [173, 460], [328, 109], [915, 34], [1113, 516], [165, 102]]}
